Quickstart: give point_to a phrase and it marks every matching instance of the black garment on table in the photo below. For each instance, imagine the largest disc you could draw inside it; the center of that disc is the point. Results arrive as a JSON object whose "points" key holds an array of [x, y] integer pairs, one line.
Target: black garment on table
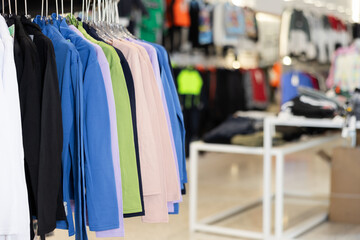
{"points": [[41, 123], [131, 91], [231, 127], [194, 26], [307, 110], [290, 133]]}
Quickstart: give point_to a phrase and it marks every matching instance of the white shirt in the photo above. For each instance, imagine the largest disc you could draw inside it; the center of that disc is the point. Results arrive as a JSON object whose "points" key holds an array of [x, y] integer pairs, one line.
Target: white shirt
{"points": [[221, 38], [14, 209]]}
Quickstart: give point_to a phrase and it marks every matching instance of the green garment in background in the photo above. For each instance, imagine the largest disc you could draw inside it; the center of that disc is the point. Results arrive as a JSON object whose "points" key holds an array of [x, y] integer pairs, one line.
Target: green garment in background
{"points": [[129, 172], [189, 82], [255, 139], [151, 26]]}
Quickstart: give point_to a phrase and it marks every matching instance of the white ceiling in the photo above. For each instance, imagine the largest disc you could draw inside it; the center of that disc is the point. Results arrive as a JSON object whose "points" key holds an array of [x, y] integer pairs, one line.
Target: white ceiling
{"points": [[276, 6]]}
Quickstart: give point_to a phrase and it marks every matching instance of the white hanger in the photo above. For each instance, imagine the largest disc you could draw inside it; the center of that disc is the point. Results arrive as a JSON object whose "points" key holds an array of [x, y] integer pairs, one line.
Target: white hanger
{"points": [[47, 8], [42, 8], [93, 13], [82, 10], [62, 7], [26, 11], [99, 10], [57, 9], [88, 3], [3, 7]]}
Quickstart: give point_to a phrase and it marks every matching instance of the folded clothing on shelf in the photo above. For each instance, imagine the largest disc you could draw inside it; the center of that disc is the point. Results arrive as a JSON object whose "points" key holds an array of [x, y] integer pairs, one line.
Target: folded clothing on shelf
{"points": [[310, 107], [232, 126], [255, 139]]}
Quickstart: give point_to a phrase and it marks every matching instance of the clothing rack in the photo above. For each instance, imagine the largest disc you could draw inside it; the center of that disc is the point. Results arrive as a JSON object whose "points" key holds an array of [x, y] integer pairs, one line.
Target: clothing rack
{"points": [[34, 6], [314, 68]]}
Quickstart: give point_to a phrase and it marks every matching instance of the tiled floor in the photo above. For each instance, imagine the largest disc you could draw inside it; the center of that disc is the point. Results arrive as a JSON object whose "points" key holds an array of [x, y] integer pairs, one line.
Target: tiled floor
{"points": [[227, 180]]}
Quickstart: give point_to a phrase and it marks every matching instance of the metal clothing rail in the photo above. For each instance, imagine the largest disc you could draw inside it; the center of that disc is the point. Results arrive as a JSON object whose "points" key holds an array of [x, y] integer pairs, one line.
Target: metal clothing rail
{"points": [[268, 152]]}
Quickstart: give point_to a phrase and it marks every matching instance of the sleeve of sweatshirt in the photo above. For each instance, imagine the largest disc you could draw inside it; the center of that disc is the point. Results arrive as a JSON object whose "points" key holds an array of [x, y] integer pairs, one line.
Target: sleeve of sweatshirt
{"points": [[101, 199], [50, 148]]}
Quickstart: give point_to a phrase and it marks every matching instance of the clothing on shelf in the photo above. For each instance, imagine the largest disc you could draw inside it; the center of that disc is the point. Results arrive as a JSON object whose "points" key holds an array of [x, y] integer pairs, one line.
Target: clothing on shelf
{"points": [[255, 139], [88, 111], [230, 128], [210, 95], [230, 25], [310, 107], [309, 35], [291, 80], [257, 89], [219, 24], [345, 71], [312, 103]]}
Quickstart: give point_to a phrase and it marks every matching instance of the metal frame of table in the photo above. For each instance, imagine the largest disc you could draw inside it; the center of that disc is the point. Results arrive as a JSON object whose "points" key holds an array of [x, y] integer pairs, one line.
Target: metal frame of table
{"points": [[206, 225], [269, 128]]}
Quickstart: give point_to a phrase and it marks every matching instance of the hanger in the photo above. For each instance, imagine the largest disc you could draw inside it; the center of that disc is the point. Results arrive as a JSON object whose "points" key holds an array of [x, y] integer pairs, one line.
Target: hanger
{"points": [[3, 7], [82, 11], [62, 8], [87, 9], [26, 10], [9, 1], [100, 25]]}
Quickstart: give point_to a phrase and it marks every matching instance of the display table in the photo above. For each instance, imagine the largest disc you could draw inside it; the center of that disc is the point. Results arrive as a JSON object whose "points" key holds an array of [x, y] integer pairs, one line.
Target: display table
{"points": [[206, 225], [269, 128]]}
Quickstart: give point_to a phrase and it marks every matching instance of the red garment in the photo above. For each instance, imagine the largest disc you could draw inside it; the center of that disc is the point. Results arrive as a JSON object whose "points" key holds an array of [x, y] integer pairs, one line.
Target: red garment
{"points": [[314, 81], [336, 23], [258, 85]]}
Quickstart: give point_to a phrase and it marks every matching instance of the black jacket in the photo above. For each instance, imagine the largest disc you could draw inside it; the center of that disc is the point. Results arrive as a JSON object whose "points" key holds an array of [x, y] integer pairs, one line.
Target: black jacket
{"points": [[41, 122]]}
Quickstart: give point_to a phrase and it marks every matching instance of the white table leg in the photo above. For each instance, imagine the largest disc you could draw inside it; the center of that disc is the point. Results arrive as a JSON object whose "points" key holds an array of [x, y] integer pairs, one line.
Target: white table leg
{"points": [[194, 155], [279, 196], [267, 179]]}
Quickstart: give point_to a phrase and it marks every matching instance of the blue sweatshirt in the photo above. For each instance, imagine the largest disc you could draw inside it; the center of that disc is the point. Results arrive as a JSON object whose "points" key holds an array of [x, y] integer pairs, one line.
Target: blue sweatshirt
{"points": [[70, 77], [97, 167], [87, 129]]}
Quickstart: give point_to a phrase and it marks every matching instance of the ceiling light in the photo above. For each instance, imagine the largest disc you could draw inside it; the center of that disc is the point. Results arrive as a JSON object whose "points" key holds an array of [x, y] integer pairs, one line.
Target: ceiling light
{"points": [[287, 60], [355, 11]]}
